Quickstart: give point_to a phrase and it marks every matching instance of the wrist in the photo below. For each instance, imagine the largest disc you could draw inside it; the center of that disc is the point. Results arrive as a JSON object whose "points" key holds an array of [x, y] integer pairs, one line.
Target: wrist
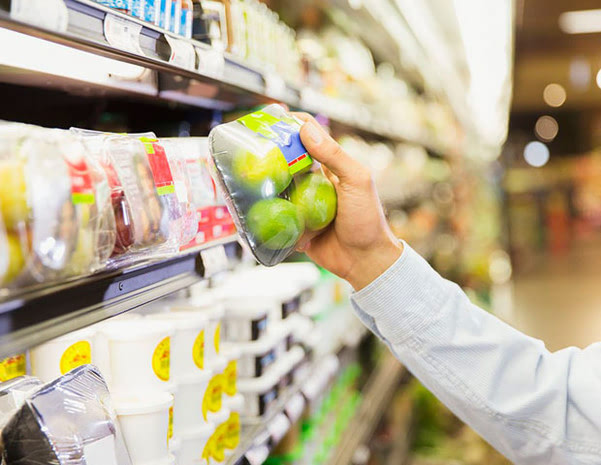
{"points": [[371, 263]]}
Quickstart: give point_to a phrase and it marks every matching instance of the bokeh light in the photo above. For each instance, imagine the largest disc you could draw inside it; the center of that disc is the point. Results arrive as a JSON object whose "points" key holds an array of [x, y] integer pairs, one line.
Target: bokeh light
{"points": [[536, 154], [546, 128], [554, 95]]}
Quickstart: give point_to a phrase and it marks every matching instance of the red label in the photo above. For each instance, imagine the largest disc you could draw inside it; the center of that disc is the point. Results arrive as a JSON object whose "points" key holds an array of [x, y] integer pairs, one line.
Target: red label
{"points": [[159, 165], [82, 185]]}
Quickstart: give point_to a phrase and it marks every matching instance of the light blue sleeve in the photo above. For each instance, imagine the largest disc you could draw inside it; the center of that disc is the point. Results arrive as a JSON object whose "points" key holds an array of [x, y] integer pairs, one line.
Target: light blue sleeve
{"points": [[534, 406]]}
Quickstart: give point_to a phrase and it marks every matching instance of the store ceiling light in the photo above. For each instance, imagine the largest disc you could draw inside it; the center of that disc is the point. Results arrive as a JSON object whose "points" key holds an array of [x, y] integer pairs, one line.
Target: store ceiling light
{"points": [[536, 154], [546, 128], [554, 95], [580, 22]]}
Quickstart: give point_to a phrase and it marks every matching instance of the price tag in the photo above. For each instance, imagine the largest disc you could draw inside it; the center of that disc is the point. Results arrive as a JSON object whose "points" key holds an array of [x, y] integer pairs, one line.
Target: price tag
{"points": [[123, 34], [257, 455], [294, 407], [275, 86], [278, 427], [49, 14], [211, 62], [182, 53], [214, 260]]}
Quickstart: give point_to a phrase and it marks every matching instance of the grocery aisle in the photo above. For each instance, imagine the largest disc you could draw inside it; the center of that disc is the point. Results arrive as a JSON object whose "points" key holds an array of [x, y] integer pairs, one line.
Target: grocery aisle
{"points": [[559, 299]]}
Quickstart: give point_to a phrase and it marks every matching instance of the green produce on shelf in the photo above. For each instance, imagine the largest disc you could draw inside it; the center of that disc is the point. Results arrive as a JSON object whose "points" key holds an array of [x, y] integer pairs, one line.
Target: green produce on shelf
{"points": [[276, 224], [316, 197], [263, 174]]}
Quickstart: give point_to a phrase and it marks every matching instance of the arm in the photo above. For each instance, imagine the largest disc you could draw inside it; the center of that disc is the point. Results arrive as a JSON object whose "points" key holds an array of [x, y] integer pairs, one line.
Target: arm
{"points": [[533, 406]]}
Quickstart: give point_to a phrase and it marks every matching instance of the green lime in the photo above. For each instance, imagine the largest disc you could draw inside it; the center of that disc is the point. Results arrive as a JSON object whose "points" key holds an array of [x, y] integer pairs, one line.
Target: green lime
{"points": [[316, 197], [264, 174], [276, 223]]}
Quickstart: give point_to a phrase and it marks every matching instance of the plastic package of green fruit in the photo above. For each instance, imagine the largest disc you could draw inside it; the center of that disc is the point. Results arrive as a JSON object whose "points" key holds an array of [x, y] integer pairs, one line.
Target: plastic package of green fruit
{"points": [[265, 173]]}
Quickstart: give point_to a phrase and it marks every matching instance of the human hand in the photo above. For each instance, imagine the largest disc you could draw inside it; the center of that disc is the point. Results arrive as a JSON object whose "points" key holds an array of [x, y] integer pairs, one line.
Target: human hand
{"points": [[358, 246]]}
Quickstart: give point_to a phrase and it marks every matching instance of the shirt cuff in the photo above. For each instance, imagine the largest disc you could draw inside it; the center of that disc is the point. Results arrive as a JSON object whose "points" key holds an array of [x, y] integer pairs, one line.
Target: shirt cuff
{"points": [[405, 298]]}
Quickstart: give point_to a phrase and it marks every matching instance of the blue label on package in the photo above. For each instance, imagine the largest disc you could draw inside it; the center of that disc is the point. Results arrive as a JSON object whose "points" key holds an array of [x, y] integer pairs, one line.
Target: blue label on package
{"points": [[164, 11], [122, 5], [174, 23], [150, 10], [136, 8]]}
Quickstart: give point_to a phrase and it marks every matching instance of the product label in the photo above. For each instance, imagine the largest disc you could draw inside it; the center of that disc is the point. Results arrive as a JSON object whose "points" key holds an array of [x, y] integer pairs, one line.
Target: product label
{"points": [[230, 376], [218, 444], [198, 350], [282, 134], [159, 165], [263, 362], [174, 22], [265, 400], [258, 327], [165, 14], [170, 428], [76, 355], [12, 367], [217, 337], [150, 11], [291, 306], [123, 34], [122, 5], [82, 186], [206, 452], [136, 8], [213, 396], [182, 53], [185, 27], [161, 359], [231, 439]]}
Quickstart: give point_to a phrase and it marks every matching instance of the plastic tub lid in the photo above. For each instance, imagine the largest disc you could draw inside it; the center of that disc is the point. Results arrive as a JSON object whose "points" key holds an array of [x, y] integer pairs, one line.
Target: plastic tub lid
{"points": [[261, 384], [183, 319], [235, 403], [142, 403], [230, 351], [218, 418], [213, 311], [136, 329], [196, 377], [247, 307], [268, 341], [202, 431], [218, 364]]}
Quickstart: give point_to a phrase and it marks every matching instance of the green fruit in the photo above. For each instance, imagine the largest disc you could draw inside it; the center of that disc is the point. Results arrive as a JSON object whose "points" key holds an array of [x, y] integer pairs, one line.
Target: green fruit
{"points": [[13, 194], [315, 196], [275, 223], [265, 174]]}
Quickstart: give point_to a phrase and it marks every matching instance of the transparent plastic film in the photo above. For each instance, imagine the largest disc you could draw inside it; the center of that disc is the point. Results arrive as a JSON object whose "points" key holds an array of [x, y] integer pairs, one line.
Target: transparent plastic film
{"points": [[67, 422], [263, 170]]}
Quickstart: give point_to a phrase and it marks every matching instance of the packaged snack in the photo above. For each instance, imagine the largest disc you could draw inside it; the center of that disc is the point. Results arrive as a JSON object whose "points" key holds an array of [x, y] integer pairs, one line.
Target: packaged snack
{"points": [[261, 165], [163, 18]]}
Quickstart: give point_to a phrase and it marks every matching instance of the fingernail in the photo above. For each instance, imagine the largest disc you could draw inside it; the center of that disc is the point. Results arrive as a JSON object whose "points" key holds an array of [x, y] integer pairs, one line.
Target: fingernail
{"points": [[314, 133]]}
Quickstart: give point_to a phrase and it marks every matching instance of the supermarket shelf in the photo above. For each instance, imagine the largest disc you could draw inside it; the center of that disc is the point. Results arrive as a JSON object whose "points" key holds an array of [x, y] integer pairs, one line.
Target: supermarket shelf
{"points": [[376, 398], [220, 82], [35, 316]]}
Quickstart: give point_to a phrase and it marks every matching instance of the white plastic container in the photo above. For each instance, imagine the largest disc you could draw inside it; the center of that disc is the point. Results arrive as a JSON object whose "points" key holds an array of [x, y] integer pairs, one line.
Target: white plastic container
{"points": [[245, 318], [61, 355], [212, 309], [212, 401], [144, 421], [231, 353], [188, 341], [192, 445], [188, 404], [139, 354], [234, 404], [258, 356], [215, 449], [288, 368], [260, 394]]}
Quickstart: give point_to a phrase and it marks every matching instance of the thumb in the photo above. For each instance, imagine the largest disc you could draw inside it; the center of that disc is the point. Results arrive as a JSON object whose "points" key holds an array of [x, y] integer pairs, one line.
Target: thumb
{"points": [[326, 150]]}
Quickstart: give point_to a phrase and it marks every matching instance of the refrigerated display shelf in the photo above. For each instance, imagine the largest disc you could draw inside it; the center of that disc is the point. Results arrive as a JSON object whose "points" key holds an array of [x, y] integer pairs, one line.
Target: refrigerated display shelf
{"points": [[35, 316], [207, 84], [376, 396]]}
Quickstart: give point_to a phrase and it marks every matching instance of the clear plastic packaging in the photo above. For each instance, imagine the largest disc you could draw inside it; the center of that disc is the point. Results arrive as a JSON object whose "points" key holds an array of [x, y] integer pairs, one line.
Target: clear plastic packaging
{"points": [[67, 422], [262, 167]]}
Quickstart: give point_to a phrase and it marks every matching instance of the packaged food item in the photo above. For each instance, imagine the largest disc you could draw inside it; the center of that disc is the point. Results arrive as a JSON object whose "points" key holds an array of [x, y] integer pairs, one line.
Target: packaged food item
{"points": [[175, 16], [13, 366], [257, 357], [231, 440], [216, 24], [192, 444], [187, 409], [246, 318], [185, 27], [213, 398], [214, 451], [139, 354], [121, 5], [59, 356], [230, 374], [150, 11], [260, 394], [144, 420], [188, 341], [255, 159], [69, 418], [163, 19]]}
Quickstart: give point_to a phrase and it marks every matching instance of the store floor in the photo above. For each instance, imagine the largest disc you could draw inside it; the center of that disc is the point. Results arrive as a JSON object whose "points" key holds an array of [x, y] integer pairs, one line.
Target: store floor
{"points": [[559, 300]]}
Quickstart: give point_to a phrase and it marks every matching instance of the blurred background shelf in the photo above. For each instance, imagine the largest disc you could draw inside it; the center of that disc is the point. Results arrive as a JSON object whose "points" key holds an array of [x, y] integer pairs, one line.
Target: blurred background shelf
{"points": [[38, 315]]}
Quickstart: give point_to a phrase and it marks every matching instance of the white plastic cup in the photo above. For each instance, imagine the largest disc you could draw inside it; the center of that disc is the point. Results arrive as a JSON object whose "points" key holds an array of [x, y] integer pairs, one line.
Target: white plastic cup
{"points": [[192, 444], [144, 421], [61, 355], [188, 403], [139, 355], [188, 341]]}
